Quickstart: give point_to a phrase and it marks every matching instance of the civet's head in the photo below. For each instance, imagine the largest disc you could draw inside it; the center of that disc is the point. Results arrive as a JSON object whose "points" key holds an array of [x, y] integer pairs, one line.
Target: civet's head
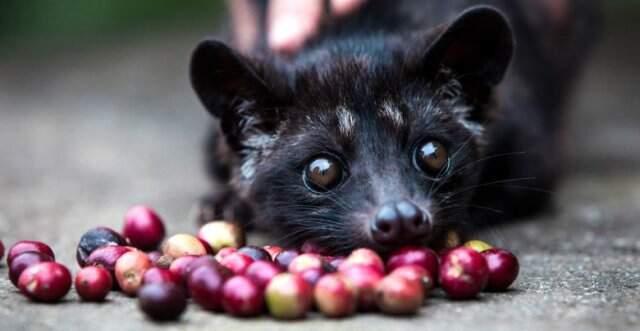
{"points": [[372, 144]]}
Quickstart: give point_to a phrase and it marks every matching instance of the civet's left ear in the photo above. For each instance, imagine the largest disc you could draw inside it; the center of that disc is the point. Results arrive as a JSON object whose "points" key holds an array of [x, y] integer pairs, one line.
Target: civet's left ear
{"points": [[477, 47], [221, 77], [234, 90]]}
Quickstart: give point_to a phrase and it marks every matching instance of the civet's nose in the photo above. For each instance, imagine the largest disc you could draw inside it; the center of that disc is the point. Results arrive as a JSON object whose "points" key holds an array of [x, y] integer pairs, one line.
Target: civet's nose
{"points": [[398, 222]]}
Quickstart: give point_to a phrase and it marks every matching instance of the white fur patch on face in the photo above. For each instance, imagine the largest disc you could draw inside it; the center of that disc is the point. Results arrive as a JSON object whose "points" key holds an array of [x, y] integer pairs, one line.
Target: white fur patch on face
{"points": [[475, 128], [462, 113], [258, 147], [346, 122], [248, 168], [261, 141], [391, 113]]}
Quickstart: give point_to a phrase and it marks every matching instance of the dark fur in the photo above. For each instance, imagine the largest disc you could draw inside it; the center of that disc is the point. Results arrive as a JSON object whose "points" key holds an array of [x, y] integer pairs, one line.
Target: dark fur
{"points": [[398, 53]]}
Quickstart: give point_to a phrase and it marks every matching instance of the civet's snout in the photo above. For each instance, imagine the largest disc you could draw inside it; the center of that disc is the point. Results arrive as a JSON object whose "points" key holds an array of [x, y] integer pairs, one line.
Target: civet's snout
{"points": [[399, 222]]}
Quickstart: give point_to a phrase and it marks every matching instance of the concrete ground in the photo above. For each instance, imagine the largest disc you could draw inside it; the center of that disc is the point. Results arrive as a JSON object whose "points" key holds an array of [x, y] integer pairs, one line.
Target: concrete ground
{"points": [[87, 133]]}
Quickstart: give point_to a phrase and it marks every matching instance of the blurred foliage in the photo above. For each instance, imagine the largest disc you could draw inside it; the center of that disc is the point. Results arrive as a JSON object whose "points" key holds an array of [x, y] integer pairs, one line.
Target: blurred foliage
{"points": [[60, 23], [48, 22]]}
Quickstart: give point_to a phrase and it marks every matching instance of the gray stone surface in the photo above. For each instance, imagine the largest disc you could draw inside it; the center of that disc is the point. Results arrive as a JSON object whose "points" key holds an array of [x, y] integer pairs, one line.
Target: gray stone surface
{"points": [[85, 134]]}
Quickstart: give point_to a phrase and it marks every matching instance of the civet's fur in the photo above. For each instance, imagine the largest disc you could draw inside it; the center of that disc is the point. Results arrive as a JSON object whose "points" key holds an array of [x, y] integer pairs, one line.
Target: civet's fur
{"points": [[488, 82]]}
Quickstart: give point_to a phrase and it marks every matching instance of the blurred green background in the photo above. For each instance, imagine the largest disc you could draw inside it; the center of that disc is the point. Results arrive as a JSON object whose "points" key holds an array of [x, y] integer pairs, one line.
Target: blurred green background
{"points": [[59, 24], [55, 24]]}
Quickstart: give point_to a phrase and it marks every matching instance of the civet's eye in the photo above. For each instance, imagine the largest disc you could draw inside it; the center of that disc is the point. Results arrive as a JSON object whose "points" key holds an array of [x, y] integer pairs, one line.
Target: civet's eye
{"points": [[323, 173], [431, 157]]}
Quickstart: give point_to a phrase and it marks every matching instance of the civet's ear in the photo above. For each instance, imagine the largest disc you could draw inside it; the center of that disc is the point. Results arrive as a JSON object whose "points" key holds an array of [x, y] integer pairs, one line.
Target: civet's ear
{"points": [[220, 77], [231, 88], [477, 47]]}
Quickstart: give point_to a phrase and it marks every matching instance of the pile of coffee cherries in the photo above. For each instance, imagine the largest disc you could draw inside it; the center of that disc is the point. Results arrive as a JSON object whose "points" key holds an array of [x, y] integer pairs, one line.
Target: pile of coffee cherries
{"points": [[217, 271]]}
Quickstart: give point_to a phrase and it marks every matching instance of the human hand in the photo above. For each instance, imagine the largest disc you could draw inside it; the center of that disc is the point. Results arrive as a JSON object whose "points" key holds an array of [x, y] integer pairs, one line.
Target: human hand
{"points": [[292, 22]]}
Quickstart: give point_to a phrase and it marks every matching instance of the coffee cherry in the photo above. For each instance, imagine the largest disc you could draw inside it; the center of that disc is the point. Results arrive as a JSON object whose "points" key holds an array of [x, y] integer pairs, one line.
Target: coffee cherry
{"points": [[207, 260], [241, 297], [162, 301], [94, 239], [183, 244], [273, 251], [261, 273], [179, 267], [93, 283], [477, 245], [143, 227], [237, 263], [288, 296], [284, 258], [220, 234], [130, 269], [312, 275], [28, 246], [107, 257], [416, 273], [399, 295], [364, 279], [503, 268], [255, 253], [205, 286], [1, 250], [334, 296], [160, 275], [463, 273], [419, 256], [23, 261], [306, 261], [224, 252], [364, 257], [46, 282]]}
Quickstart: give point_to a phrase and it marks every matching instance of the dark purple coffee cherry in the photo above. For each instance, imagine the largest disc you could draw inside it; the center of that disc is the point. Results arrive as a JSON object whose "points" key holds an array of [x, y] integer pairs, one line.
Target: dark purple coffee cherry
{"points": [[180, 268], [255, 253], [162, 301], [28, 246], [284, 258], [94, 239], [24, 261], [205, 286]]}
